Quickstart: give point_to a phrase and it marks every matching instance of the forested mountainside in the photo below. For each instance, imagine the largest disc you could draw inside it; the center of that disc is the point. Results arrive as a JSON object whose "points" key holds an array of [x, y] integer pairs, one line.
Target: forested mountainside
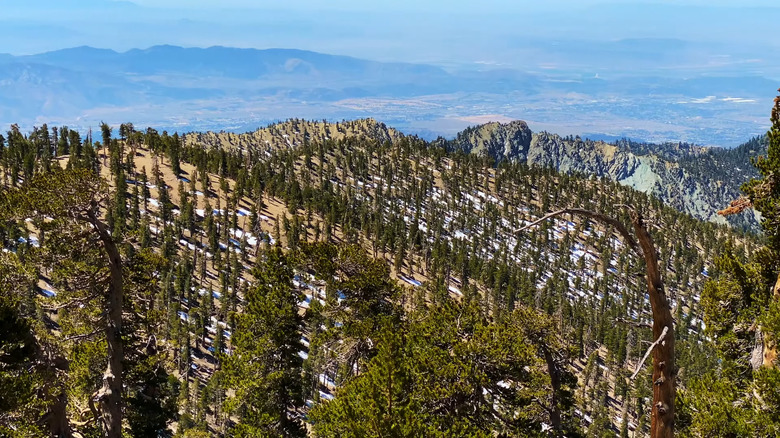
{"points": [[293, 133], [695, 180], [334, 285]]}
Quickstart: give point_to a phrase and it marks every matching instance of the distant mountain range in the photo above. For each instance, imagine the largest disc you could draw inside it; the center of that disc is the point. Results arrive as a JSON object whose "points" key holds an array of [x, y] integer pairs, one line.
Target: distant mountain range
{"points": [[222, 88], [226, 62]]}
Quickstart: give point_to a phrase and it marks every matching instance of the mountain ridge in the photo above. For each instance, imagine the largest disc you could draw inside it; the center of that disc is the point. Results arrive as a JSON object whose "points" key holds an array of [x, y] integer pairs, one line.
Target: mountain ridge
{"points": [[700, 191], [228, 61], [693, 179]]}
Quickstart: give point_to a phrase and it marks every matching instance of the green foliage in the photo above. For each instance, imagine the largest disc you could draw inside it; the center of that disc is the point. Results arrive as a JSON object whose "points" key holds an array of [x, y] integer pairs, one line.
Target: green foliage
{"points": [[264, 369], [151, 402], [717, 406], [17, 351], [378, 402], [22, 381], [732, 303], [406, 362], [764, 192], [445, 371], [87, 360]]}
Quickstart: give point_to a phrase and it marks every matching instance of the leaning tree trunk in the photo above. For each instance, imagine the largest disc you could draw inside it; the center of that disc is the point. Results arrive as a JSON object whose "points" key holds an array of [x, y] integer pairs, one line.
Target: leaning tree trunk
{"points": [[664, 372], [109, 397]]}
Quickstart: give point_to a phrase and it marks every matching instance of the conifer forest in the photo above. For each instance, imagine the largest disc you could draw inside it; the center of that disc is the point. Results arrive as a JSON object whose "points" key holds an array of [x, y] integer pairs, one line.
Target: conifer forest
{"points": [[343, 279]]}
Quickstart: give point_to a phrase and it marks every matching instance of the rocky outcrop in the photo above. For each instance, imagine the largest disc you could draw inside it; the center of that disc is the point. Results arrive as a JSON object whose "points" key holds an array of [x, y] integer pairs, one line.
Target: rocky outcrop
{"points": [[691, 179], [497, 139]]}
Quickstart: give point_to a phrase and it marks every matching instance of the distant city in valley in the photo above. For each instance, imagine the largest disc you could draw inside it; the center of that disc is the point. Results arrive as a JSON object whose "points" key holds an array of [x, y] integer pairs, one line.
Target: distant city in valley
{"points": [[220, 88]]}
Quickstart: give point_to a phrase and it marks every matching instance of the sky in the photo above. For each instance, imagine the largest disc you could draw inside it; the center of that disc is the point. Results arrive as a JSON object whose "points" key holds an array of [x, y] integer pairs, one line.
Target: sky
{"points": [[429, 4], [498, 32]]}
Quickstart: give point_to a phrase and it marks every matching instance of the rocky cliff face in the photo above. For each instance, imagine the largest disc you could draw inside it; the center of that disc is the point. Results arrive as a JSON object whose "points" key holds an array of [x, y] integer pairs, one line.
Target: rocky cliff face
{"points": [[694, 180], [511, 140]]}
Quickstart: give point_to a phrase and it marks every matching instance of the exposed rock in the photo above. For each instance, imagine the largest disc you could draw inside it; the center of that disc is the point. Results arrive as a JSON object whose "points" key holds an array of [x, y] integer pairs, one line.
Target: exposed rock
{"points": [[692, 179], [497, 140]]}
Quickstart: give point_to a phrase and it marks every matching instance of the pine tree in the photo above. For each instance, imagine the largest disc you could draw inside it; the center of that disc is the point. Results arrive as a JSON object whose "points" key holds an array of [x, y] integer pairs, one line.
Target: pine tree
{"points": [[264, 369], [76, 197], [21, 382]]}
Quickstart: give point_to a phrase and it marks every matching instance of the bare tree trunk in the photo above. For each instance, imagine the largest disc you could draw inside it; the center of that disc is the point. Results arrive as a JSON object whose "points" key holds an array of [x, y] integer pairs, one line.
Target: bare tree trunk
{"points": [[664, 372], [58, 419], [109, 396], [55, 420]]}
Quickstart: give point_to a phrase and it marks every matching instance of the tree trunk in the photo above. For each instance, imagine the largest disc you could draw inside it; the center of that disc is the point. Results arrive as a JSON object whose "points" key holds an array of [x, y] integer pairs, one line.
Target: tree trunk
{"points": [[109, 397], [768, 341], [56, 418], [664, 372], [555, 384]]}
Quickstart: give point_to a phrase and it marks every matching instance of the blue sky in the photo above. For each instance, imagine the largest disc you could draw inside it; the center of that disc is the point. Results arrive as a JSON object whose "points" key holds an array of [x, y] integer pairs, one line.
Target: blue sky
{"points": [[429, 4], [498, 32]]}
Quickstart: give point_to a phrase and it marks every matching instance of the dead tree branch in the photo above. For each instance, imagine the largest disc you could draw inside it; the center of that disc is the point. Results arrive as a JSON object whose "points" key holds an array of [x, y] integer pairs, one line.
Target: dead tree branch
{"points": [[647, 353], [619, 227]]}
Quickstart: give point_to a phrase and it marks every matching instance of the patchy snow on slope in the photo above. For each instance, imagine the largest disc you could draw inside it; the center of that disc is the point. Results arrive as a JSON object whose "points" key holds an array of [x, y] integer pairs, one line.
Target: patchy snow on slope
{"points": [[461, 235], [411, 281], [327, 381]]}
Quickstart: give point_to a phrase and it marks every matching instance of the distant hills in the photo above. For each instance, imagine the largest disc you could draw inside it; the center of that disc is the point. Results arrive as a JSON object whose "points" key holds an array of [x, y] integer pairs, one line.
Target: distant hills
{"points": [[223, 88], [226, 62]]}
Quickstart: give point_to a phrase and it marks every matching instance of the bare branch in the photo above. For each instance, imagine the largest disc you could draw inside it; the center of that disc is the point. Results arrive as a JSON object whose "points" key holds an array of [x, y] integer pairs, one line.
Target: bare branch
{"points": [[647, 353], [592, 215], [84, 336], [638, 324]]}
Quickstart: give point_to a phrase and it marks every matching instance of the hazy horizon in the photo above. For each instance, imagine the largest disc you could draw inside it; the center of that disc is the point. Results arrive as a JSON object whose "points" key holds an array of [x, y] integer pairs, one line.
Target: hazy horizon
{"points": [[699, 71], [430, 32]]}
